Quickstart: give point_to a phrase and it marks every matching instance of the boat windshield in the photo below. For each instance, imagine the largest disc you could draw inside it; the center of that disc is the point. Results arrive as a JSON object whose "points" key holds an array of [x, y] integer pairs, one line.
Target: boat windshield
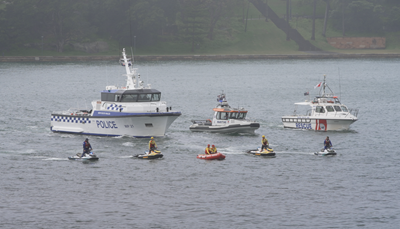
{"points": [[129, 98], [344, 109], [337, 108], [319, 109], [235, 115], [222, 115], [330, 109], [144, 98], [156, 97]]}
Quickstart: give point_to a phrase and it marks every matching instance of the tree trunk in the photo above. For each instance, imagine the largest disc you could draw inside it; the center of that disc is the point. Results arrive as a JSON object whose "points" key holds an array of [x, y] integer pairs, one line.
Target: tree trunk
{"points": [[193, 37], [326, 18], [313, 21], [247, 15], [287, 20], [214, 19], [303, 44], [342, 19]]}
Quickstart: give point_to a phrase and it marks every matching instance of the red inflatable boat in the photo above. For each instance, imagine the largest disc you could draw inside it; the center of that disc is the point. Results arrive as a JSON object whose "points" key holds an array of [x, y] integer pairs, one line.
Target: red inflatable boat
{"points": [[218, 156]]}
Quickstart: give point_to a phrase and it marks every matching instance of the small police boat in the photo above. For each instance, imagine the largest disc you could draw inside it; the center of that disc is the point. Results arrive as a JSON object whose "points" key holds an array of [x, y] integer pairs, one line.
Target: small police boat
{"points": [[215, 156], [226, 119], [152, 155], [88, 157], [266, 152], [326, 152]]}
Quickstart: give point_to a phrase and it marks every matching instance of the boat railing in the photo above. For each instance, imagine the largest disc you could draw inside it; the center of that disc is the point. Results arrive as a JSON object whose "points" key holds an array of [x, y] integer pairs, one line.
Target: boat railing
{"points": [[73, 111], [248, 119], [354, 112]]}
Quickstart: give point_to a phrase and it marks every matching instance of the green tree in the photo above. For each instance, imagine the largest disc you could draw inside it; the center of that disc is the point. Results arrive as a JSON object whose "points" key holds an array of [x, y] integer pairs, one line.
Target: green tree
{"points": [[358, 15], [64, 21], [193, 20]]}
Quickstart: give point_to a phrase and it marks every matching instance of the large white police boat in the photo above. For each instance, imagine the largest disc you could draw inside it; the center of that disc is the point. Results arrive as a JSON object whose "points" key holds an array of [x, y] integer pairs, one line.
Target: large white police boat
{"points": [[327, 113], [133, 110], [226, 119]]}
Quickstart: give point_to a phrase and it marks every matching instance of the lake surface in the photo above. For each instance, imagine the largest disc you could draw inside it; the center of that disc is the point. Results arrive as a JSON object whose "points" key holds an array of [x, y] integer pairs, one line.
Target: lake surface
{"points": [[359, 187]]}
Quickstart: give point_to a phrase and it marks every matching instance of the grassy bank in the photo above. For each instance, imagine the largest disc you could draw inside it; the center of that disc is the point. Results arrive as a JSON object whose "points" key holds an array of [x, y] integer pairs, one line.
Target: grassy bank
{"points": [[256, 37]]}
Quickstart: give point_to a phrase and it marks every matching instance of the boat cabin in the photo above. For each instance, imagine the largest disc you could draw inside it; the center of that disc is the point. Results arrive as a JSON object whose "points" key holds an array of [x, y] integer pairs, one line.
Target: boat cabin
{"points": [[331, 108], [141, 95], [225, 114]]}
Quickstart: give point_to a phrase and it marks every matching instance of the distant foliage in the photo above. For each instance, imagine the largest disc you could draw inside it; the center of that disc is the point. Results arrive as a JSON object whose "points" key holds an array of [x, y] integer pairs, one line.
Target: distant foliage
{"points": [[57, 24], [366, 16]]}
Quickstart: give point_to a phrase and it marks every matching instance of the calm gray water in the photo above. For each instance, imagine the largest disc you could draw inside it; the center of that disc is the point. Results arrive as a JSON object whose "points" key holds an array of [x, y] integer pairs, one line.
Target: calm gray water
{"points": [[360, 187]]}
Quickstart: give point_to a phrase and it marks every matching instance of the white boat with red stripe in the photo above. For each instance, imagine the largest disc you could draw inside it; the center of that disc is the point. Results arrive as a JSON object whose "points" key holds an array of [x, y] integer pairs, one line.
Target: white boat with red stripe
{"points": [[327, 113]]}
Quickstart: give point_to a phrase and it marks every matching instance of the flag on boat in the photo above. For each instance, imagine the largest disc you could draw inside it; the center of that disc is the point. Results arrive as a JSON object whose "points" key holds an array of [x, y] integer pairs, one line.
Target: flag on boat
{"points": [[318, 85], [306, 93]]}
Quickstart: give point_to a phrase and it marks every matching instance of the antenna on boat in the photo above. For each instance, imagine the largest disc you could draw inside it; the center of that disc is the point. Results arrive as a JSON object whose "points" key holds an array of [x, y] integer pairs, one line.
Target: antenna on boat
{"points": [[340, 88], [134, 47], [132, 56]]}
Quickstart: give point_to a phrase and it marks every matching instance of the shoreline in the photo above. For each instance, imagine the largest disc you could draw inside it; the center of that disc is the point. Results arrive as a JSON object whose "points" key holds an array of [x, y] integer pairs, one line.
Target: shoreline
{"points": [[311, 55]]}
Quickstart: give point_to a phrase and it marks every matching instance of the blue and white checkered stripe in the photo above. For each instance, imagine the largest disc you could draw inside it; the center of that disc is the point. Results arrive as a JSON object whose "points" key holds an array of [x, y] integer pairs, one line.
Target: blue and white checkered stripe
{"points": [[115, 107], [70, 119]]}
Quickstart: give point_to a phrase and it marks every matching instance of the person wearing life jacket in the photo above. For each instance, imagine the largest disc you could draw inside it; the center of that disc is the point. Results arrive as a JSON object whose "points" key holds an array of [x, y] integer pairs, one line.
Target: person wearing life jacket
{"points": [[264, 143], [213, 149], [207, 150], [86, 147], [152, 145], [327, 143]]}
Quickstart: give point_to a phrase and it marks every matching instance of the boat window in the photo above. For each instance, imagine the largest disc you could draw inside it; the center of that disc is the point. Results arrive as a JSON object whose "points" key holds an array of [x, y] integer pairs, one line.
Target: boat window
{"points": [[319, 109], [107, 97], [144, 98], [291, 120], [303, 120], [337, 108], [234, 115], [129, 98], [156, 97], [242, 115], [344, 109], [116, 98], [330, 109], [222, 115]]}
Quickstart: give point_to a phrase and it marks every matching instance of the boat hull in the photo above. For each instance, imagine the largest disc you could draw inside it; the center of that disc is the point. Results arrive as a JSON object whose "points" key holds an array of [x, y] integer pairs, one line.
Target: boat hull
{"points": [[217, 156], [234, 128], [265, 153], [330, 152], [76, 158], [317, 123], [143, 125], [149, 156]]}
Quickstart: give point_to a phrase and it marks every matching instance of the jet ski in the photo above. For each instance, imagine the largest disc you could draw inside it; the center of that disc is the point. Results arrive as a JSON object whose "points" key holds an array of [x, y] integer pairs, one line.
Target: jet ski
{"points": [[269, 152], [326, 152], [152, 155], [88, 157]]}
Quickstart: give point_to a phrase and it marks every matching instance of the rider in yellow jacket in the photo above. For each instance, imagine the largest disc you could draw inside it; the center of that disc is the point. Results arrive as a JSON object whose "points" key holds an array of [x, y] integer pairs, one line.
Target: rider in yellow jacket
{"points": [[152, 145], [213, 149], [207, 150], [264, 143]]}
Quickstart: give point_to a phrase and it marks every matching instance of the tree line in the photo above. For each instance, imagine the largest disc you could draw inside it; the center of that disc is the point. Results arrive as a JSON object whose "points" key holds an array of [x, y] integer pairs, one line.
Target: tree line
{"points": [[61, 22]]}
